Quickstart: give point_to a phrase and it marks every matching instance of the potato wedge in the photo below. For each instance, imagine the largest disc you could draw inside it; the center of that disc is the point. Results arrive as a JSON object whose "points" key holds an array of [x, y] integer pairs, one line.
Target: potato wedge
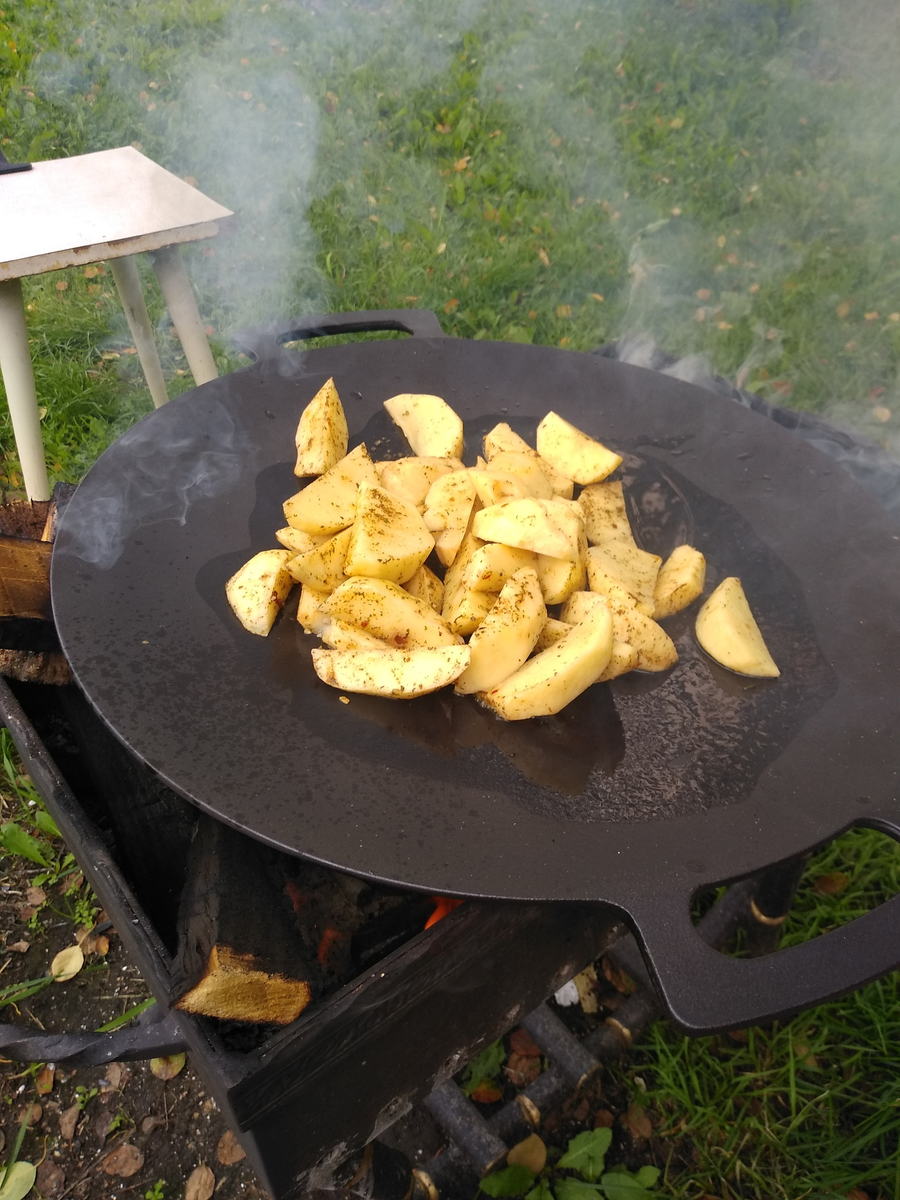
{"points": [[727, 631], [400, 674], [553, 678], [298, 541], [605, 513], [338, 635], [560, 578], [257, 591], [425, 585], [551, 633], [527, 468], [492, 565], [635, 569], [428, 423], [384, 609], [507, 635], [311, 600], [448, 507], [680, 581], [573, 452], [322, 436], [328, 504], [542, 526], [410, 478], [502, 438], [388, 538], [494, 487], [322, 567]]}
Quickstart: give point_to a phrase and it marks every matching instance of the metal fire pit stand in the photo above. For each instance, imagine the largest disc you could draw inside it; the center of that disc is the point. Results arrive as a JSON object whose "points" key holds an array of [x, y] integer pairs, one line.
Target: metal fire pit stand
{"points": [[308, 1103]]}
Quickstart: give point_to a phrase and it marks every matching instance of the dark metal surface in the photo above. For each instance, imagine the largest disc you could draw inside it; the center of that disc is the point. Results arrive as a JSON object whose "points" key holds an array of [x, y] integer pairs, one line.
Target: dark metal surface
{"points": [[637, 794]]}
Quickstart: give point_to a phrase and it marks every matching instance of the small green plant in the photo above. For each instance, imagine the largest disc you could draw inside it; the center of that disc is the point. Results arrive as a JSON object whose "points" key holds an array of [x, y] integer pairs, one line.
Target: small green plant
{"points": [[578, 1175], [157, 1192], [484, 1069], [84, 1095], [17, 1178]]}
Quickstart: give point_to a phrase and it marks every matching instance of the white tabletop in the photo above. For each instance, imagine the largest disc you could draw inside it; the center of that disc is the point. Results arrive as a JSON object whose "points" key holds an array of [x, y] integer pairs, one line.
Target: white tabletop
{"points": [[70, 211]]}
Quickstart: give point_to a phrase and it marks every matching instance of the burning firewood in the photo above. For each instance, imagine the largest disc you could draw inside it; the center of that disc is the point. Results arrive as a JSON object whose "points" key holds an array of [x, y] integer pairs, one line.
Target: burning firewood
{"points": [[230, 914]]}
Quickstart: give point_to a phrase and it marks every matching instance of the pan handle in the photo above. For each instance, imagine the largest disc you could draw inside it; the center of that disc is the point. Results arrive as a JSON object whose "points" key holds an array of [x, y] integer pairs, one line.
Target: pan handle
{"points": [[709, 992], [265, 341]]}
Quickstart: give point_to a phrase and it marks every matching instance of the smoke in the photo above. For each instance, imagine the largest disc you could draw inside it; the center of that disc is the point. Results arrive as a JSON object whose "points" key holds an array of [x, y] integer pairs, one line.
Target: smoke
{"points": [[736, 164], [160, 481]]}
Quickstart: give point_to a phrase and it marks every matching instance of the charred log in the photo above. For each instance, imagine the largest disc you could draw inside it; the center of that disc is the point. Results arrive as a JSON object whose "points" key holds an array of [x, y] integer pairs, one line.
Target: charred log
{"points": [[229, 912]]}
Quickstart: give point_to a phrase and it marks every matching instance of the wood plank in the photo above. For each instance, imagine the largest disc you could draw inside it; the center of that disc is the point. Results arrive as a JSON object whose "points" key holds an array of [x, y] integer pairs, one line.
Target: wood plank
{"points": [[96, 206]]}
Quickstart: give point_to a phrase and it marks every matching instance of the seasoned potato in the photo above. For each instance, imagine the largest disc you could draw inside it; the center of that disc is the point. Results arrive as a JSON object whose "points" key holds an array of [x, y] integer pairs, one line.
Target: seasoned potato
{"points": [[322, 567], [425, 585], [728, 632], [448, 507], [328, 504], [428, 423], [388, 539], [507, 635], [401, 674], [605, 513], [322, 436], [501, 438], [573, 452], [553, 678], [338, 635], [384, 609], [311, 600], [528, 525], [493, 564], [680, 581], [633, 568], [257, 591], [410, 478], [297, 540]]}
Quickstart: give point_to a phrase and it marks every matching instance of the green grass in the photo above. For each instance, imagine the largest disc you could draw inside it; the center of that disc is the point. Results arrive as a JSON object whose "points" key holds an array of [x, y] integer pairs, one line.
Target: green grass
{"points": [[722, 176]]}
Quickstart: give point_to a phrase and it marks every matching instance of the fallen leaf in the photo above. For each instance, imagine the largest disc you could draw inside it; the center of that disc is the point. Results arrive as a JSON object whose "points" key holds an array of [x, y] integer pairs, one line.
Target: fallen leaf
{"points": [[450, 305], [875, 392], [201, 1184], [703, 293], [530, 1153], [881, 414], [229, 1150], [18, 1181], [31, 1113], [857, 1194], [596, 296], [62, 286], [50, 1179], [36, 896], [721, 240], [117, 1075], [723, 325], [586, 982], [782, 387], [564, 310], [603, 1119], [103, 1125], [168, 1067], [676, 123], [150, 1124], [831, 884], [871, 316], [521, 1043], [544, 257], [67, 964], [126, 1160], [68, 1121], [444, 128], [442, 247], [25, 913], [700, 314], [850, 346], [676, 212], [486, 1093], [637, 1122], [44, 1080], [522, 1071], [843, 309], [462, 163]]}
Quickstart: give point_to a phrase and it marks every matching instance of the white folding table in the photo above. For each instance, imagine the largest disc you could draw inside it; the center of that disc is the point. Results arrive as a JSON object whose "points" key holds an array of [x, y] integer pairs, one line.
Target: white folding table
{"points": [[70, 212]]}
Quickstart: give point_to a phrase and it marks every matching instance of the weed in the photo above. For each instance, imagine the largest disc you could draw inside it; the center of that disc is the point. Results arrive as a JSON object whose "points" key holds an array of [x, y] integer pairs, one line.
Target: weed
{"points": [[157, 1191]]}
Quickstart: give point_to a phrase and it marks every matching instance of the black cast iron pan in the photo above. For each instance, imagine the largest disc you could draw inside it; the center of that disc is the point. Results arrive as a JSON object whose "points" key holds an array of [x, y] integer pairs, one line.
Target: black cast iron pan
{"points": [[639, 793]]}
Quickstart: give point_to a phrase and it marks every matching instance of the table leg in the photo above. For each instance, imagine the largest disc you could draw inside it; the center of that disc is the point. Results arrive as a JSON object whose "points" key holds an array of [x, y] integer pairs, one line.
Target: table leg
{"points": [[18, 378], [128, 282], [179, 296]]}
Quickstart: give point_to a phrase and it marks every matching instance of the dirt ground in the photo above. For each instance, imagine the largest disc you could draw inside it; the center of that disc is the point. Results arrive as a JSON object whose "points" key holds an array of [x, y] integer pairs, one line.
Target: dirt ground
{"points": [[102, 1131]]}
